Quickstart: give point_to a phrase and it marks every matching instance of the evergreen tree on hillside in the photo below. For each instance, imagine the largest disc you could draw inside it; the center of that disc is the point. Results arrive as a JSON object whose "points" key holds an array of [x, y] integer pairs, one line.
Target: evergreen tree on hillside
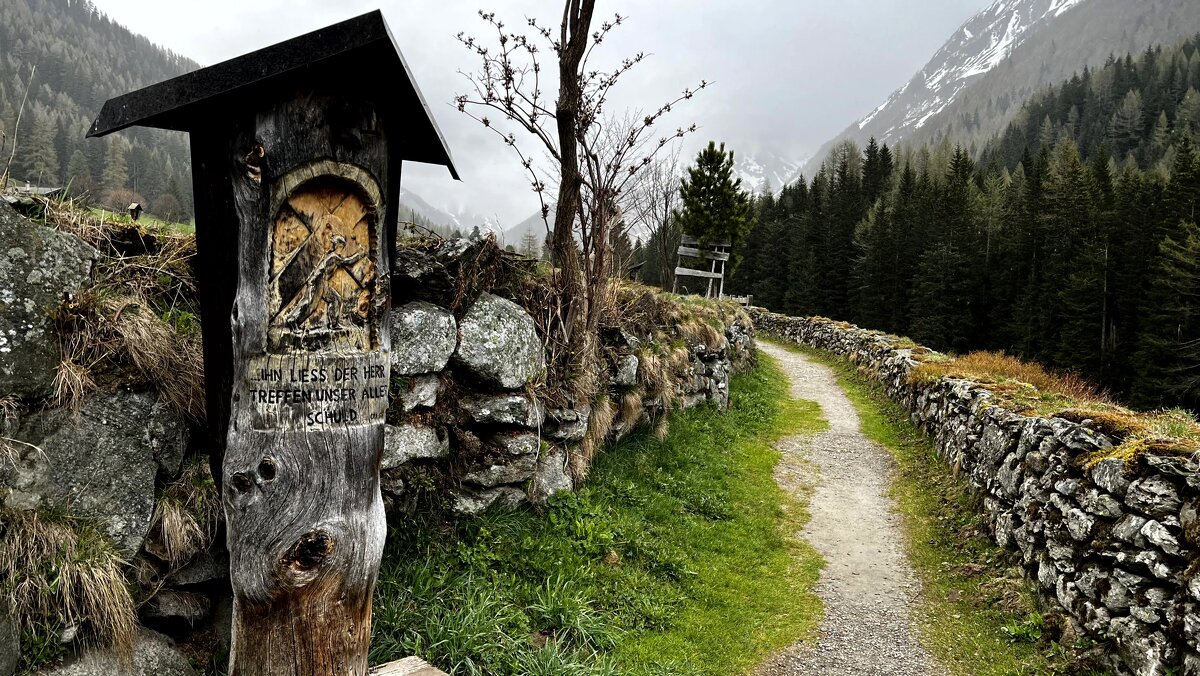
{"points": [[116, 174], [1169, 359], [714, 206], [80, 174]]}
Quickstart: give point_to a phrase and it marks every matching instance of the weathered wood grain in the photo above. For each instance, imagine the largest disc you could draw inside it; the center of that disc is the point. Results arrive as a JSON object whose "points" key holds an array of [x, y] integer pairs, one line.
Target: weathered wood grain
{"points": [[688, 272], [308, 386], [697, 253]]}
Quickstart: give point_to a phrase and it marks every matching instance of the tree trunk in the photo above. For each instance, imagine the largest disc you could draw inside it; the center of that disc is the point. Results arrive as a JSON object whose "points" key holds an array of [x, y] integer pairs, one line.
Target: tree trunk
{"points": [[577, 21], [309, 384]]}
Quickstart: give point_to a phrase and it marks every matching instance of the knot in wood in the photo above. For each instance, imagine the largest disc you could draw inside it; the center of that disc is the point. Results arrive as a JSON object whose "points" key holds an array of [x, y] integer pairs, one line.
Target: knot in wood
{"points": [[309, 551], [240, 482], [253, 162]]}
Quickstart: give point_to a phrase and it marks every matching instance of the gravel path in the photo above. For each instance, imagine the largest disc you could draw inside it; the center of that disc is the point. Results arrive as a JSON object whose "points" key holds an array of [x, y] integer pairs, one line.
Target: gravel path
{"points": [[868, 587]]}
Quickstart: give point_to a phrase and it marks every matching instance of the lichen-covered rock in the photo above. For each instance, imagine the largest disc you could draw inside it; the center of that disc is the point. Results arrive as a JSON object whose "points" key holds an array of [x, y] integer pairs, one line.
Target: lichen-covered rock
{"points": [[550, 476], [510, 471], [517, 443], [205, 568], [405, 443], [171, 608], [568, 424], [1100, 504], [1109, 474], [423, 338], [39, 268], [1158, 535], [153, 655], [421, 391], [10, 643], [505, 409], [465, 502], [627, 371], [99, 462], [1153, 496], [498, 343]]}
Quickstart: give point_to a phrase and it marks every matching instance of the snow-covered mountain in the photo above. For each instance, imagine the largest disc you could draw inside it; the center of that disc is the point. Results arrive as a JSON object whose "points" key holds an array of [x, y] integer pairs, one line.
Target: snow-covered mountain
{"points": [[979, 78], [983, 43], [761, 171], [451, 218]]}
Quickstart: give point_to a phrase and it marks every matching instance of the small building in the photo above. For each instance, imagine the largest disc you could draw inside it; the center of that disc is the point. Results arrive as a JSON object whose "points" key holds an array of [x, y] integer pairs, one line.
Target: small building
{"points": [[135, 210]]}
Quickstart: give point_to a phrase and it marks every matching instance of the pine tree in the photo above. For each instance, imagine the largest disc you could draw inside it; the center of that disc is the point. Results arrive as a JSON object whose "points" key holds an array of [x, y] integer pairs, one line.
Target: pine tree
{"points": [[79, 174], [115, 174], [714, 206], [1168, 361], [40, 164]]}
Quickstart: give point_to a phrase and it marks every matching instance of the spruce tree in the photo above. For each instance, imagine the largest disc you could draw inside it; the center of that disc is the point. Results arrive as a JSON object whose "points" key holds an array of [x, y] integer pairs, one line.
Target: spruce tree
{"points": [[714, 206]]}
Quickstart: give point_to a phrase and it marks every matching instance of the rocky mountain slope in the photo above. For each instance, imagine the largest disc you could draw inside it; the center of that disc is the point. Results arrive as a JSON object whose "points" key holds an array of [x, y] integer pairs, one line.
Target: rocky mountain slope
{"points": [[977, 81]]}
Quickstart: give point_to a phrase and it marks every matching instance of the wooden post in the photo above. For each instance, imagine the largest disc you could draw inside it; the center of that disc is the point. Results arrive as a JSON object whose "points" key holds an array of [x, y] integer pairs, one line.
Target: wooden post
{"points": [[297, 151]]}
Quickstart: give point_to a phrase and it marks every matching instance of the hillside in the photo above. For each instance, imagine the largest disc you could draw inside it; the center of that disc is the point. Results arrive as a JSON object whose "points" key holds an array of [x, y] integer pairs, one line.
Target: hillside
{"points": [[82, 58], [974, 85], [1048, 248]]}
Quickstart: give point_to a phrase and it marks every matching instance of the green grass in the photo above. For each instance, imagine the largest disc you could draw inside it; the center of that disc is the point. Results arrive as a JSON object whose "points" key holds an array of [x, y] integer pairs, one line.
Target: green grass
{"points": [[145, 220], [979, 616], [676, 557]]}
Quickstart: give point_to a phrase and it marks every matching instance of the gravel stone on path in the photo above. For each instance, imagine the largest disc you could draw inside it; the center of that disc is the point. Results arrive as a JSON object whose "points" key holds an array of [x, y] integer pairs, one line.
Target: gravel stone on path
{"points": [[868, 587]]}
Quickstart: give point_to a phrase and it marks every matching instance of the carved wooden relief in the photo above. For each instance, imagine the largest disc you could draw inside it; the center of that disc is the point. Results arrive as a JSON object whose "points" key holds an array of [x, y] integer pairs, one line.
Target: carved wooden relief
{"points": [[323, 269], [324, 365]]}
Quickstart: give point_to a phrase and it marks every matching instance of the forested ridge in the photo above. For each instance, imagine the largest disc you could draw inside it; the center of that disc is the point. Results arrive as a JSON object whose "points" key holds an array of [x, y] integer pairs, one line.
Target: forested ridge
{"points": [[1071, 239], [64, 58]]}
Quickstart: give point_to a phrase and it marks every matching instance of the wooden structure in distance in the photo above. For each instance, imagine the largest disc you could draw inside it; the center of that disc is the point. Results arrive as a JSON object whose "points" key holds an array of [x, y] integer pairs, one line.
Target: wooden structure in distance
{"points": [[718, 253]]}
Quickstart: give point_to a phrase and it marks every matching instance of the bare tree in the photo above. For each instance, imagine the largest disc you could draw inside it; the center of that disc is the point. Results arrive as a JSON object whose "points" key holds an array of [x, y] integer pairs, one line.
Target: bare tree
{"points": [[593, 158], [649, 203]]}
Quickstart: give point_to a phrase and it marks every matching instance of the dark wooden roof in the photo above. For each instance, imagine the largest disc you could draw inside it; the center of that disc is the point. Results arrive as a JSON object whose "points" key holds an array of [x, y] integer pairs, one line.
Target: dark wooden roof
{"points": [[363, 44]]}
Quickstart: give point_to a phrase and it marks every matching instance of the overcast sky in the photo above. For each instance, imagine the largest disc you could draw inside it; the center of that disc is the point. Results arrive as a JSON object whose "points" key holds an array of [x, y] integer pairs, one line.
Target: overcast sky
{"points": [[788, 74]]}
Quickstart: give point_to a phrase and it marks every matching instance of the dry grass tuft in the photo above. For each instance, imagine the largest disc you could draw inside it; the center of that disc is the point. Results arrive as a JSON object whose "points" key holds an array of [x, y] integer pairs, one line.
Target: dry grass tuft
{"points": [[59, 571], [71, 383], [122, 337], [998, 367], [631, 411], [187, 515], [1033, 389], [141, 317], [600, 423]]}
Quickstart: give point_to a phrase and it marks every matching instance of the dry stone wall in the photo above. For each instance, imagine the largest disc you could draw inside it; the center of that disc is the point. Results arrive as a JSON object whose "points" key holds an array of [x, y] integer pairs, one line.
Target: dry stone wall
{"points": [[1115, 545], [468, 428]]}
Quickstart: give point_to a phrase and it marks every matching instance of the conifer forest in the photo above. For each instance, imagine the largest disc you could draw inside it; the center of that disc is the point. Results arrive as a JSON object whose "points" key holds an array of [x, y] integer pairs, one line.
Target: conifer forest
{"points": [[1070, 239]]}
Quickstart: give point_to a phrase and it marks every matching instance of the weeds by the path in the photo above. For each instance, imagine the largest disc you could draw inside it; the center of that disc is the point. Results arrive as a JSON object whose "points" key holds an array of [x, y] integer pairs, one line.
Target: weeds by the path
{"points": [[677, 557], [980, 615]]}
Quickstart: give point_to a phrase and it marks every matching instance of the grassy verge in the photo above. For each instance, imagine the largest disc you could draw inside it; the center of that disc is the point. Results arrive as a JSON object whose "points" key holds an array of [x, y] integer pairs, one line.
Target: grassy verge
{"points": [[145, 221], [677, 557], [980, 616]]}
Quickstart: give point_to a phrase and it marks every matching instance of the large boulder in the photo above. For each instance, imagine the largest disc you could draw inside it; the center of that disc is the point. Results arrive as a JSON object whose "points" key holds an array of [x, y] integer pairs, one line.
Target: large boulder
{"points": [[39, 268], [153, 655], [423, 338], [98, 462], [498, 343]]}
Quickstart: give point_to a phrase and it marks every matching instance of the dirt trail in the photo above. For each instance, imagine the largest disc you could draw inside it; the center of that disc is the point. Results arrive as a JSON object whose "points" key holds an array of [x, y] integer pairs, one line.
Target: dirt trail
{"points": [[868, 586]]}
